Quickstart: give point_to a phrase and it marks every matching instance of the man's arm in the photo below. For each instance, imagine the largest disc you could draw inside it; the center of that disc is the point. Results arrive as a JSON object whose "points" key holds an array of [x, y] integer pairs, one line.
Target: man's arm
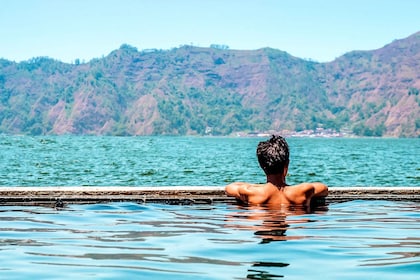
{"points": [[238, 190], [232, 189], [321, 190], [247, 193]]}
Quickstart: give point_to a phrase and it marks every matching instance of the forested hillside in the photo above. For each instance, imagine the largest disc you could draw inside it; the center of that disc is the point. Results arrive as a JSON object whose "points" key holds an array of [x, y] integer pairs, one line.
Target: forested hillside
{"points": [[196, 91]]}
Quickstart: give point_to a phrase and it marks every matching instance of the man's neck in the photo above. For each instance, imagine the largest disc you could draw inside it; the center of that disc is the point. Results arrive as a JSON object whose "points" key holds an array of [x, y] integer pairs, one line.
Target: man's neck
{"points": [[277, 180]]}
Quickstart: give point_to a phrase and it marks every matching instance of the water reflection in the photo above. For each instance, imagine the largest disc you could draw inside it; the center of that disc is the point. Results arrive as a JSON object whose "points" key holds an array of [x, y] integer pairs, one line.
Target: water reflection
{"points": [[270, 224], [363, 239], [263, 274]]}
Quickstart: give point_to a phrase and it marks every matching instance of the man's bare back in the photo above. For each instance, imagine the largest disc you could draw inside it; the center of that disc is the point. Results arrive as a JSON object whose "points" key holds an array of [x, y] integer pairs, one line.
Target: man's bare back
{"points": [[269, 193]]}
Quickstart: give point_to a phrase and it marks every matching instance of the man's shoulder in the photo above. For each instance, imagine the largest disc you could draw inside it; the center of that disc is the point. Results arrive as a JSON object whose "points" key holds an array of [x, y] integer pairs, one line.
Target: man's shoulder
{"points": [[245, 188], [239, 184], [301, 188], [246, 185], [308, 185], [316, 188]]}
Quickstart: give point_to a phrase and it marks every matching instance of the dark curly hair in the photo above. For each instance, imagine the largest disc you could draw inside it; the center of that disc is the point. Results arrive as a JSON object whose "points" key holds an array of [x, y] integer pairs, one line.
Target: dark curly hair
{"points": [[273, 155]]}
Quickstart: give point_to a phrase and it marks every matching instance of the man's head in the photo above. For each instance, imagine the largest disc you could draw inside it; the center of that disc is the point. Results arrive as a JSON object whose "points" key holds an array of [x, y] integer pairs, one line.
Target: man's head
{"points": [[273, 155]]}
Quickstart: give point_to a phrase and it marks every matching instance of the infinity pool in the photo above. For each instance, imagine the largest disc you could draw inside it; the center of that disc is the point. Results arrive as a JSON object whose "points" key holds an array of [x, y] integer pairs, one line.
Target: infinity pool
{"points": [[351, 240]]}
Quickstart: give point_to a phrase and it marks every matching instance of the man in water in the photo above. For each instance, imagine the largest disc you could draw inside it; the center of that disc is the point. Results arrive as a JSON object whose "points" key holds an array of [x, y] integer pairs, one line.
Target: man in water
{"points": [[273, 157]]}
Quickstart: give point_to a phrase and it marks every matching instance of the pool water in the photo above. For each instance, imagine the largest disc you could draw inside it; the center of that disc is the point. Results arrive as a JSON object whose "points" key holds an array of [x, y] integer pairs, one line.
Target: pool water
{"points": [[351, 240]]}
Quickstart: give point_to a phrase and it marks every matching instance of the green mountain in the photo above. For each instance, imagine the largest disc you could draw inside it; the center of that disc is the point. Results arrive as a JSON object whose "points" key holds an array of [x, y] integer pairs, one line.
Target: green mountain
{"points": [[194, 91]]}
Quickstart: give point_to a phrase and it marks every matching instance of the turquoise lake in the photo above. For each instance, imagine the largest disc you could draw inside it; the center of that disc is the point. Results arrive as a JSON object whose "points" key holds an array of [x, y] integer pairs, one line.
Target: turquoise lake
{"points": [[201, 161]]}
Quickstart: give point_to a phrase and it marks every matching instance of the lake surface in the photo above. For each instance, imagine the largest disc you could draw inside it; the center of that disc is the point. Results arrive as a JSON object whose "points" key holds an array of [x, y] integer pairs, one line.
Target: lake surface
{"points": [[201, 161], [351, 240]]}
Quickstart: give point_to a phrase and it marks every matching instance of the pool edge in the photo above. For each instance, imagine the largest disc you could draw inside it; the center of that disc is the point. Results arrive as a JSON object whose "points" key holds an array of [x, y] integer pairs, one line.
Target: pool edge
{"points": [[59, 196]]}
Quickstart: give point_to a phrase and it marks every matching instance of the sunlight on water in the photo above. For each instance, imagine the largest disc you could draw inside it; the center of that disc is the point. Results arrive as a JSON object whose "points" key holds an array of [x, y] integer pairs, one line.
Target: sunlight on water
{"points": [[352, 240]]}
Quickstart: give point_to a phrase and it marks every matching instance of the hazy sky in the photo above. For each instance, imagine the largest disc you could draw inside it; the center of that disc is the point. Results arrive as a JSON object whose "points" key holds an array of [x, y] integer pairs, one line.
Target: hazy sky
{"points": [[314, 29]]}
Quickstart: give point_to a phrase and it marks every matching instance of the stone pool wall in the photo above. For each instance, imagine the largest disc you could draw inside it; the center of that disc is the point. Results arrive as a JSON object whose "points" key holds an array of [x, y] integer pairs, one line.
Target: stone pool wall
{"points": [[60, 196]]}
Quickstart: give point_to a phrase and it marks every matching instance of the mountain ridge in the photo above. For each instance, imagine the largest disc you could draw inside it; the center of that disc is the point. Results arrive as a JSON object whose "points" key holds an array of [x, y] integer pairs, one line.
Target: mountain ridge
{"points": [[196, 91]]}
